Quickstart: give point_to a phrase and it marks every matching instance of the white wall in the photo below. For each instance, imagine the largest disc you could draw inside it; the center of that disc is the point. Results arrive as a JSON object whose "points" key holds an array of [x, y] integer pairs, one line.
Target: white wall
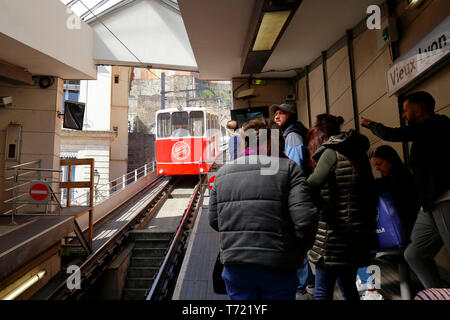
{"points": [[42, 26], [97, 96]]}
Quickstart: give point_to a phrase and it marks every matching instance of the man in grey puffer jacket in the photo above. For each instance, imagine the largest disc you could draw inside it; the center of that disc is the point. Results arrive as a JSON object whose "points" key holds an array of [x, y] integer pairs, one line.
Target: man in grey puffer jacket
{"points": [[266, 224]]}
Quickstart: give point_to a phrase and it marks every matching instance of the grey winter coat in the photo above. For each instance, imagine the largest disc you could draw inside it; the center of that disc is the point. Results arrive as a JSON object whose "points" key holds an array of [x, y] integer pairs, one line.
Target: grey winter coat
{"points": [[264, 220]]}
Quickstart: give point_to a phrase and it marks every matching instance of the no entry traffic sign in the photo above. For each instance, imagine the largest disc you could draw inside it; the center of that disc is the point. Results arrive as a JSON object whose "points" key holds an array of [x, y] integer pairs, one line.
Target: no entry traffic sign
{"points": [[39, 191], [211, 182]]}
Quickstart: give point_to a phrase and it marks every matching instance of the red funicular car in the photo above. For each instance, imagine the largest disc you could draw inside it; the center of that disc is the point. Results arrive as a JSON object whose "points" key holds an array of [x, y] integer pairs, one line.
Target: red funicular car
{"points": [[187, 140]]}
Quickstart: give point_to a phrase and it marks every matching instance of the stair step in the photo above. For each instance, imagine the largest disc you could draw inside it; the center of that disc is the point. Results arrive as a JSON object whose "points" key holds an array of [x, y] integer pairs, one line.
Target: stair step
{"points": [[144, 234], [139, 283], [141, 272], [134, 294], [149, 252], [146, 262], [153, 243]]}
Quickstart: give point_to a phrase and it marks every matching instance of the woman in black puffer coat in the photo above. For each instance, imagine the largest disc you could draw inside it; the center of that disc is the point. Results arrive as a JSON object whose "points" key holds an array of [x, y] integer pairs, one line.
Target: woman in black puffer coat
{"points": [[347, 204]]}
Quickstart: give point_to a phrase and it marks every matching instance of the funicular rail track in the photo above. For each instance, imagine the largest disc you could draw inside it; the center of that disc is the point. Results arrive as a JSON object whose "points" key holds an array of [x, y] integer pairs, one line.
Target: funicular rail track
{"points": [[95, 264], [166, 278], [98, 261]]}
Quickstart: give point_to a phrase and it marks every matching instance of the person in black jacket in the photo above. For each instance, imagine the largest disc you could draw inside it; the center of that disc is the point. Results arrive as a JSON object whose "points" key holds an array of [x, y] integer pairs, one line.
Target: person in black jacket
{"points": [[398, 182], [429, 161], [266, 223], [347, 204]]}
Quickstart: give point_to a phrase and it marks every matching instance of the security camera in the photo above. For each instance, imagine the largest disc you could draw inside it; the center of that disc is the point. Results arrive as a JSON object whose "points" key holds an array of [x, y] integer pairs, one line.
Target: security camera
{"points": [[5, 102]]}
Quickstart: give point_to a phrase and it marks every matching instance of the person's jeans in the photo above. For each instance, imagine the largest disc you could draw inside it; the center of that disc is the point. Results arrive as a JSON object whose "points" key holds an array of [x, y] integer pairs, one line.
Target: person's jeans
{"points": [[326, 281], [247, 282], [305, 276], [430, 232]]}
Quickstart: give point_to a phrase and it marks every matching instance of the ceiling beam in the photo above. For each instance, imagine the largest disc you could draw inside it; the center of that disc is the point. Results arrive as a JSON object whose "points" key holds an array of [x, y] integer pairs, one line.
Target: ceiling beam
{"points": [[13, 73], [254, 61]]}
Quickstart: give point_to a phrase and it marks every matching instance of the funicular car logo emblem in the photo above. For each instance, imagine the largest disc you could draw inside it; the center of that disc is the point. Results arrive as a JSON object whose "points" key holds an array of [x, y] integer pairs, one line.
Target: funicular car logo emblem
{"points": [[181, 150]]}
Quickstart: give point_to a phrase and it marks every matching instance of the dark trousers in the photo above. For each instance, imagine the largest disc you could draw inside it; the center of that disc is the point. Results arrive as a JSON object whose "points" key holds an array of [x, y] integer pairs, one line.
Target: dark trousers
{"points": [[326, 280], [430, 232], [246, 282]]}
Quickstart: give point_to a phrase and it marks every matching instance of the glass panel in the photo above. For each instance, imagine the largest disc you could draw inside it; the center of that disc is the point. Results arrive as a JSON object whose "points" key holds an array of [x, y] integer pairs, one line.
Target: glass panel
{"points": [[95, 6], [164, 125], [196, 123], [180, 124]]}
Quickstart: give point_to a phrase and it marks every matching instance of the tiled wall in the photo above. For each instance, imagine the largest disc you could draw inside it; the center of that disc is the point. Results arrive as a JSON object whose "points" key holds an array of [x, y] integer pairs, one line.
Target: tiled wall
{"points": [[370, 65]]}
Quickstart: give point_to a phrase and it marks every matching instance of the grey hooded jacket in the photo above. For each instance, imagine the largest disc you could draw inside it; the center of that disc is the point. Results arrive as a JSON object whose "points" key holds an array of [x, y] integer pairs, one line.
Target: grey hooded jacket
{"points": [[264, 220]]}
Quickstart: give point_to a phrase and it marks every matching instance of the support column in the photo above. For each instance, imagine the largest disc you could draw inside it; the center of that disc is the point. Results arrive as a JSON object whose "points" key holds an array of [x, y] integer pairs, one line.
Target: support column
{"points": [[351, 63], [36, 110]]}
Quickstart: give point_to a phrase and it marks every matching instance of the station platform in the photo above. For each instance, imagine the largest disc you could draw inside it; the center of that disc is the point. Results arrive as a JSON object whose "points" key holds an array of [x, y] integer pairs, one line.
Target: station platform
{"points": [[195, 278], [33, 235]]}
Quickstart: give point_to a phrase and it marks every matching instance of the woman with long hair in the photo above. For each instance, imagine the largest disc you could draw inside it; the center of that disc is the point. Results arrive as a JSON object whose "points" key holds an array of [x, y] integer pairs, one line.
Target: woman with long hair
{"points": [[346, 197], [398, 182]]}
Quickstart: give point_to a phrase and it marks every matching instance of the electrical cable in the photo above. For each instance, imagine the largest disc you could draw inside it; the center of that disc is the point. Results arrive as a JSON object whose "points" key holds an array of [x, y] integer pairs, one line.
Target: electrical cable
{"points": [[97, 18]]}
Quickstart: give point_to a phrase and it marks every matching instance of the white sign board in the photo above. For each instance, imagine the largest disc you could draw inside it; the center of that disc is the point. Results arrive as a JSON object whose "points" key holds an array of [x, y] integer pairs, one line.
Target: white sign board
{"points": [[430, 50]]}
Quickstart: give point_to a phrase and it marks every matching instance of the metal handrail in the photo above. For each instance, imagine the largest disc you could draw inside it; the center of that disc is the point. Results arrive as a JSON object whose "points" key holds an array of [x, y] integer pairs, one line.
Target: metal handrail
{"points": [[27, 169], [145, 170], [18, 186], [39, 169], [18, 175], [23, 164]]}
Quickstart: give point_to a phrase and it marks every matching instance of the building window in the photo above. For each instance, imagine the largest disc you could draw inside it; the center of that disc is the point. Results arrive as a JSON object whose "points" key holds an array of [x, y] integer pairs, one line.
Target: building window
{"points": [[116, 79]]}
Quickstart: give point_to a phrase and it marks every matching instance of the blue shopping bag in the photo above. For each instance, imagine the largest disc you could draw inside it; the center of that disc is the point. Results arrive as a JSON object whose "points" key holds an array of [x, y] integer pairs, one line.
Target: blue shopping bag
{"points": [[389, 229]]}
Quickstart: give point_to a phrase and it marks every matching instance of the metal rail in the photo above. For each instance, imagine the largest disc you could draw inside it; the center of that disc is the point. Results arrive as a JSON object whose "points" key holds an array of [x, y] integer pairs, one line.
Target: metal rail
{"points": [[104, 191], [98, 261], [160, 286]]}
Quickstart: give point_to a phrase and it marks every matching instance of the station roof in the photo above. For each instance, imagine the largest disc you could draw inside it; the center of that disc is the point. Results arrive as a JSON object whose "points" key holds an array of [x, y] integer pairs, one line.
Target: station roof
{"points": [[89, 9], [211, 37], [220, 31]]}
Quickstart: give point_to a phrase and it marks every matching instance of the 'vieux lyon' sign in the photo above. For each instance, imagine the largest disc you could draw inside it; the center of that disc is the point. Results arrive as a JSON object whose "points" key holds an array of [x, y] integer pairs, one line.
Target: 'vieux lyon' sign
{"points": [[430, 50]]}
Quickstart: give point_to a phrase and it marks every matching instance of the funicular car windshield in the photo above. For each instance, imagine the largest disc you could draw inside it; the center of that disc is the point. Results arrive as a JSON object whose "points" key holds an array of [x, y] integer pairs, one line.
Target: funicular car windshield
{"points": [[180, 124], [196, 122]]}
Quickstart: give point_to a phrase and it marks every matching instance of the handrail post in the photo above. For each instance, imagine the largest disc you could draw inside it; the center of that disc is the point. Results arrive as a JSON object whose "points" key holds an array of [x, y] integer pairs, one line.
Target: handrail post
{"points": [[91, 204], [123, 181], [69, 179], [135, 175], [145, 169]]}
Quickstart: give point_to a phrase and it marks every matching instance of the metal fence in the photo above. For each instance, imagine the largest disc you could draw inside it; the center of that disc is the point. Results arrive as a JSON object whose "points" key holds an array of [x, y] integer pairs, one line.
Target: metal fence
{"points": [[103, 192], [20, 185]]}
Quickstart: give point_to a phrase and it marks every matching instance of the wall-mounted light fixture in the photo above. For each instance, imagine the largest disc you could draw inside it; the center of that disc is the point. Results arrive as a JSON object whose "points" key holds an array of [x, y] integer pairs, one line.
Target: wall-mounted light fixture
{"points": [[270, 21]]}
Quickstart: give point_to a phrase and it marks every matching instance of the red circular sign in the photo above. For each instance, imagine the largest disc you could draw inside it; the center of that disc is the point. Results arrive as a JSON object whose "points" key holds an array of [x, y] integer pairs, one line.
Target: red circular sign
{"points": [[38, 192], [211, 182]]}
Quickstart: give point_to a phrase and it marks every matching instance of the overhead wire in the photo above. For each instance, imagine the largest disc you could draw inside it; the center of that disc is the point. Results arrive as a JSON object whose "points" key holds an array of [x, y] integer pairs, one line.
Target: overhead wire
{"points": [[123, 44]]}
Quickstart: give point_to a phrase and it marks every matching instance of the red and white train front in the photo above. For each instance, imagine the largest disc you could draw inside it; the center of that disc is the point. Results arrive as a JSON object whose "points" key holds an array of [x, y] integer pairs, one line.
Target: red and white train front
{"points": [[187, 141]]}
